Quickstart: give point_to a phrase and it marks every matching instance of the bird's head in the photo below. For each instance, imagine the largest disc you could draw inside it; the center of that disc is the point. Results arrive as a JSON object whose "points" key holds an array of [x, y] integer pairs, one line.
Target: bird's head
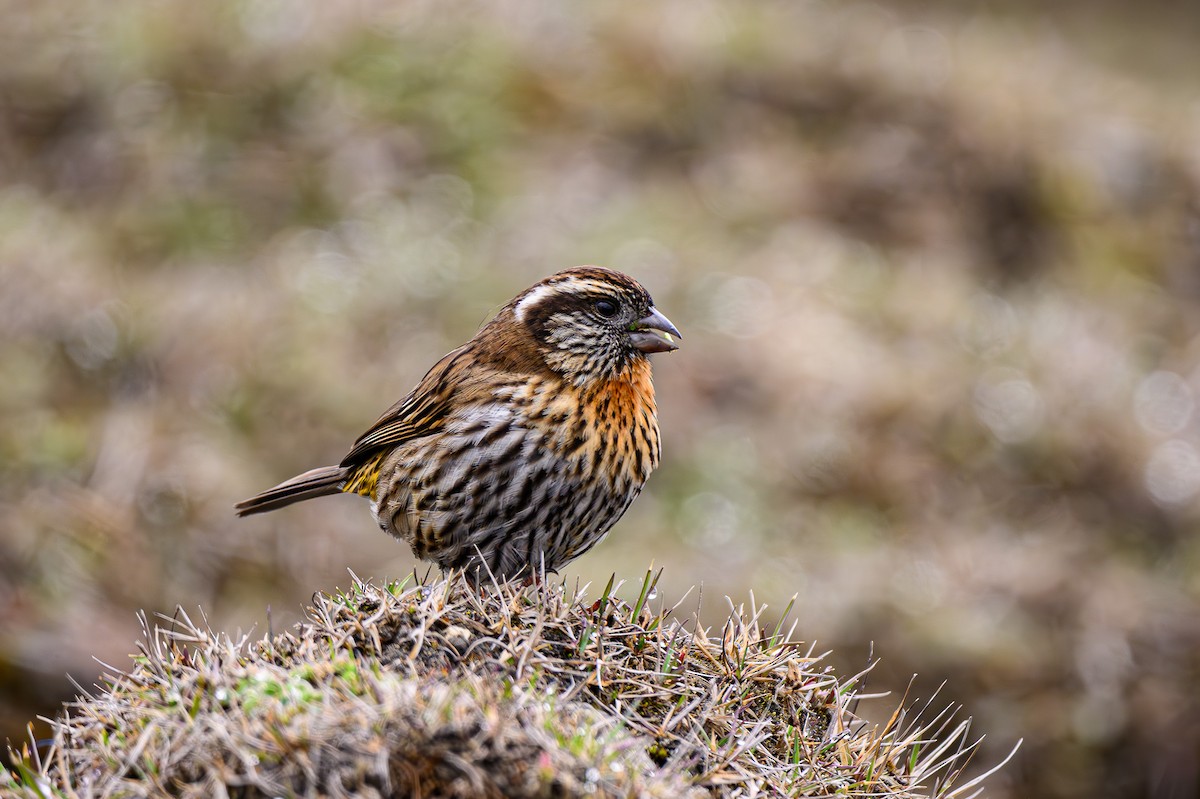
{"points": [[590, 323]]}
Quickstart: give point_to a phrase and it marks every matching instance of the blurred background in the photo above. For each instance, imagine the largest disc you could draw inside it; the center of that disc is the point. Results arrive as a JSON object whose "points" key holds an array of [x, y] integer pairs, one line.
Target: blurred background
{"points": [[937, 265]]}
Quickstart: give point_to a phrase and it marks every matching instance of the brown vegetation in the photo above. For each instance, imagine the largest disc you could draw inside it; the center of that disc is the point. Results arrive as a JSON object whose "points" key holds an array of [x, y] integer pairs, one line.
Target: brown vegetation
{"points": [[446, 690]]}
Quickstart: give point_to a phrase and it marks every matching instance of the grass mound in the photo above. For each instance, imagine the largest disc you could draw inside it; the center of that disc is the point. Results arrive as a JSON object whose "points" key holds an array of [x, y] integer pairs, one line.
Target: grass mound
{"points": [[438, 689]]}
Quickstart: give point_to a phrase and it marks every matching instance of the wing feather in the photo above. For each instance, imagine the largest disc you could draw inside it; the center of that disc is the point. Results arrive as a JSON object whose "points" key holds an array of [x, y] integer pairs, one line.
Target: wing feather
{"points": [[423, 412]]}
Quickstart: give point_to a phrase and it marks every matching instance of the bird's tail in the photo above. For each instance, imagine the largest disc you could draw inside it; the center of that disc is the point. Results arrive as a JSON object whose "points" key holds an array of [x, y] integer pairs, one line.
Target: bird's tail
{"points": [[315, 483]]}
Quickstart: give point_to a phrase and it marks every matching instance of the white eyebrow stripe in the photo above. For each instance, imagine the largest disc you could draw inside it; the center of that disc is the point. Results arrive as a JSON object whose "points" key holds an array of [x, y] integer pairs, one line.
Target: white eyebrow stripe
{"points": [[539, 293], [533, 298]]}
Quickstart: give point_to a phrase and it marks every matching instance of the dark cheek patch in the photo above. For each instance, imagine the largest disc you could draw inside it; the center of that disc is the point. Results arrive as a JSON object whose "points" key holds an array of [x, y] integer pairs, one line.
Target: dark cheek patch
{"points": [[540, 315]]}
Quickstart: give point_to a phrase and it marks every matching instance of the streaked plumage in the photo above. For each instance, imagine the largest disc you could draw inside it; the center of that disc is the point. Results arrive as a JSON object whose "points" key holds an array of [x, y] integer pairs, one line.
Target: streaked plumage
{"points": [[524, 445]]}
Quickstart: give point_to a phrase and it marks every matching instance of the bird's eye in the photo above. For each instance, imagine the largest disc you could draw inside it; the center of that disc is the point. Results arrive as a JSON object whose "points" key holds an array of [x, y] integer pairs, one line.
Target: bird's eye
{"points": [[606, 308]]}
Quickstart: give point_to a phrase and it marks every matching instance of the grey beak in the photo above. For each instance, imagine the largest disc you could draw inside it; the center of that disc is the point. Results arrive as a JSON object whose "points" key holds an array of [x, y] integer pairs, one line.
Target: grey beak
{"points": [[653, 333]]}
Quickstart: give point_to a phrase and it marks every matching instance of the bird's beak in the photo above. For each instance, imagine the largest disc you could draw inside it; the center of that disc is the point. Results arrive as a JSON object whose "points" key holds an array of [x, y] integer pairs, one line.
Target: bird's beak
{"points": [[653, 333]]}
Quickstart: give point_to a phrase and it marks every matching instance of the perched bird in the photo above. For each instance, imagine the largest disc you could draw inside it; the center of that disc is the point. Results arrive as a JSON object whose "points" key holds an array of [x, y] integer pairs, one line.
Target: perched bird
{"points": [[522, 448]]}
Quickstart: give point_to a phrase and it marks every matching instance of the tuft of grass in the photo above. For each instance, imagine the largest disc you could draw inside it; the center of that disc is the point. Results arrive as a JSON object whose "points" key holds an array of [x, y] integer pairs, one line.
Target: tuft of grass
{"points": [[436, 688]]}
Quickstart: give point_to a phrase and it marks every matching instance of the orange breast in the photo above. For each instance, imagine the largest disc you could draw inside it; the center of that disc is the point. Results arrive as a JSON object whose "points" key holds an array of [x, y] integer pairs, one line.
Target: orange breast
{"points": [[624, 422]]}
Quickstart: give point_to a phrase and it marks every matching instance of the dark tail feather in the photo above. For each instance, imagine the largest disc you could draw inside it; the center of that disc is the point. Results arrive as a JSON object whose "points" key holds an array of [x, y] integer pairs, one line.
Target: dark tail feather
{"points": [[315, 483]]}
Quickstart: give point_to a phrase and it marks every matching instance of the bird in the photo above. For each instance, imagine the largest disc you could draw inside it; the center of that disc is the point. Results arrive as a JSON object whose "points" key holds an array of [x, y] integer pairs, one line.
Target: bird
{"points": [[518, 451]]}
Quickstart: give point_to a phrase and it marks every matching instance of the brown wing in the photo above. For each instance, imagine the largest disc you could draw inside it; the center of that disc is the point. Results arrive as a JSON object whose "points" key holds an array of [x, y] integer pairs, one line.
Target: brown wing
{"points": [[421, 413]]}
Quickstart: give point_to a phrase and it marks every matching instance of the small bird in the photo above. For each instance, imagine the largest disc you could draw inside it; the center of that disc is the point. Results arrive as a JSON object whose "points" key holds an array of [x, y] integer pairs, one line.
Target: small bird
{"points": [[519, 450]]}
